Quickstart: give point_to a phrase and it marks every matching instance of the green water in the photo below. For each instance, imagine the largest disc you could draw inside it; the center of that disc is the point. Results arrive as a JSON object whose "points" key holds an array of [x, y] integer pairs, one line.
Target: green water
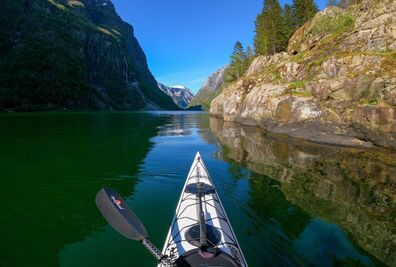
{"points": [[290, 203]]}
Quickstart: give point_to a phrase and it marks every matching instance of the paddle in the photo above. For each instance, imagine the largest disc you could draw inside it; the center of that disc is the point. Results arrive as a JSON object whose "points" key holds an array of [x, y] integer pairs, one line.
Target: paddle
{"points": [[115, 210]]}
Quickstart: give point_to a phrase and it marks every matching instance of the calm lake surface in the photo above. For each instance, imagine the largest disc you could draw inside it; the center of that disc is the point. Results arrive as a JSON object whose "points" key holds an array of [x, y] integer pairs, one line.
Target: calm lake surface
{"points": [[291, 203]]}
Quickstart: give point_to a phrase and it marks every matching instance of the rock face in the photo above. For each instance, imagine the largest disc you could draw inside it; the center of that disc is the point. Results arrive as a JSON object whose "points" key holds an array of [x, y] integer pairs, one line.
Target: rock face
{"points": [[351, 187], [181, 95], [74, 55], [210, 89], [336, 84]]}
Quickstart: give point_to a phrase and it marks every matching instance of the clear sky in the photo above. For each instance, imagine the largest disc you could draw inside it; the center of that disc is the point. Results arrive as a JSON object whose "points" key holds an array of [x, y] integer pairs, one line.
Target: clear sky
{"points": [[187, 40]]}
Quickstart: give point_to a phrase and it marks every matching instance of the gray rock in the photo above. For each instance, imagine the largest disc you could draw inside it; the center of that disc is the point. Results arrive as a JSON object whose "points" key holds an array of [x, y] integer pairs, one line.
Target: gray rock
{"points": [[210, 89], [339, 88], [181, 95]]}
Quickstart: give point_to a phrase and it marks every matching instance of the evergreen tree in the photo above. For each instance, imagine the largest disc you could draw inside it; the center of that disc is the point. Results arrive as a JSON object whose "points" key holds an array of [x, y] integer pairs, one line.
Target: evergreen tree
{"points": [[270, 29], [305, 10], [238, 63], [260, 39], [331, 3], [249, 56], [289, 23], [346, 3]]}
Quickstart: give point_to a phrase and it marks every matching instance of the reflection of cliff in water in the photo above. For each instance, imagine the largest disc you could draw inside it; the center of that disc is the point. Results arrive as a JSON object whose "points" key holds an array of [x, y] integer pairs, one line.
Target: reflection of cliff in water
{"points": [[353, 188]]}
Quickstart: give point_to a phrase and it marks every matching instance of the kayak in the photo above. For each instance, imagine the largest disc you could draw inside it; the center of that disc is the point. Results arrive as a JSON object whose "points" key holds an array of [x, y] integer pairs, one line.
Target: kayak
{"points": [[201, 233]]}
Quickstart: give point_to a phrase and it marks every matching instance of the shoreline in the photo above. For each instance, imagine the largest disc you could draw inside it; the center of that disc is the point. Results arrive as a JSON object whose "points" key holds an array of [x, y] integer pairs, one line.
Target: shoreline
{"points": [[305, 131]]}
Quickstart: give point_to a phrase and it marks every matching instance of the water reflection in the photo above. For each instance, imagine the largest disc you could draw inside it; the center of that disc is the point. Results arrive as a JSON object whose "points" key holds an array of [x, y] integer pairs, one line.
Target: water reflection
{"points": [[51, 167], [352, 188]]}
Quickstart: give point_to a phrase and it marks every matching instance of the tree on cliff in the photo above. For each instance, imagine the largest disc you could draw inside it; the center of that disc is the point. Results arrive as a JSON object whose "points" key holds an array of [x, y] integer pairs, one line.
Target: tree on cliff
{"points": [[331, 3], [260, 39], [304, 11], [270, 37], [289, 23], [249, 56], [238, 63]]}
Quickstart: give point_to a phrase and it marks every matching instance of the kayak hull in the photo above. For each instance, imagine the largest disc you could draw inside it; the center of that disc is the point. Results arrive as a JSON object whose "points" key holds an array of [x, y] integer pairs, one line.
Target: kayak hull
{"points": [[182, 242]]}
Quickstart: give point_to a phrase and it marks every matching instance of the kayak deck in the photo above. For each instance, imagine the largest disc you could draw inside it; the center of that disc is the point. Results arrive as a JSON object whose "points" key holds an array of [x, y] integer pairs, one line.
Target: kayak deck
{"points": [[182, 242]]}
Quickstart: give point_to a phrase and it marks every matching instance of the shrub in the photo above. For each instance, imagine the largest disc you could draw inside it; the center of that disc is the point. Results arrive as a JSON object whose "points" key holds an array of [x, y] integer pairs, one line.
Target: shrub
{"points": [[332, 24]]}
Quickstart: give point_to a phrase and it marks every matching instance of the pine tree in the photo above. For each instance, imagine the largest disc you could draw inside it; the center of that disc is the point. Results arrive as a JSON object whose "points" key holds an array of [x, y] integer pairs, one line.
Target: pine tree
{"points": [[260, 39], [238, 63], [305, 10], [249, 56], [289, 23], [269, 37], [331, 3], [346, 3]]}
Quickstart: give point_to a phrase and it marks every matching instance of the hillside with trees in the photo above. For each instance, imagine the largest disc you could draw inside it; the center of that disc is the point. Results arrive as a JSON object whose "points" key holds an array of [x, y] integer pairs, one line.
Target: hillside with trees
{"points": [[333, 83]]}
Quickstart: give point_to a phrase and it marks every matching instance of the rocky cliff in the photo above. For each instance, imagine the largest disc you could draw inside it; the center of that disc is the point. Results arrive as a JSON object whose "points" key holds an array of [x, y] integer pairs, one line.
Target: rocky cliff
{"points": [[209, 90], [73, 55], [181, 95], [336, 83]]}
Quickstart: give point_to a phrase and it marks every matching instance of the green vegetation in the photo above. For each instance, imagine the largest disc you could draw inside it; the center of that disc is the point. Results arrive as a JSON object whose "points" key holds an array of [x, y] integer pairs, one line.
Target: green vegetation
{"points": [[304, 11], [299, 57], [270, 34], [297, 84], [289, 23], [333, 25], [44, 69], [10, 18], [271, 73], [240, 62], [301, 93], [275, 26], [75, 4], [53, 58], [371, 102], [347, 3]]}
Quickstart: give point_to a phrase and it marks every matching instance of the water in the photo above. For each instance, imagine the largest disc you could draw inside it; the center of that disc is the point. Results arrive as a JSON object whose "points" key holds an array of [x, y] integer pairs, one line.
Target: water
{"points": [[290, 203]]}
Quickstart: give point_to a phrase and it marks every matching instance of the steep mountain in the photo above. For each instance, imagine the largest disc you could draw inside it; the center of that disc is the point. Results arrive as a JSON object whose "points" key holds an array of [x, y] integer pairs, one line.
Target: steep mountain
{"points": [[181, 95], [209, 90], [72, 54], [336, 84]]}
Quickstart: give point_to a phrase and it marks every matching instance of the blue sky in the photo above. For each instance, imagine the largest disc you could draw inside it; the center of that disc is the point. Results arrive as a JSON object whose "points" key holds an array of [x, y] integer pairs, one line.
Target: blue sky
{"points": [[187, 40]]}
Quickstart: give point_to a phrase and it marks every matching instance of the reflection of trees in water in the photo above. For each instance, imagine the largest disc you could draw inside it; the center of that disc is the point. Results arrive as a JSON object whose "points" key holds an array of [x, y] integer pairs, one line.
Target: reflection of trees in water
{"points": [[353, 188]]}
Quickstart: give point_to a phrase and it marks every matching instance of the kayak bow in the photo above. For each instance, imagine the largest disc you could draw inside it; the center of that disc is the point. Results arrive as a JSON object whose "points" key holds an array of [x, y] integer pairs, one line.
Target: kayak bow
{"points": [[201, 233]]}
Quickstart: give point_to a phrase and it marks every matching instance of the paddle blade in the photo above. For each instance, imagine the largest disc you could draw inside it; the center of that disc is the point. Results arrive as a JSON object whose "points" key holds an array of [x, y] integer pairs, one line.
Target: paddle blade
{"points": [[119, 215]]}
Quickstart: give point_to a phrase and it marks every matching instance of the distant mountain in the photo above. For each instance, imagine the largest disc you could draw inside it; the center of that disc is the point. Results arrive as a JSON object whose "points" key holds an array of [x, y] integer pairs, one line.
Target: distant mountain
{"points": [[209, 90], [57, 54], [181, 95]]}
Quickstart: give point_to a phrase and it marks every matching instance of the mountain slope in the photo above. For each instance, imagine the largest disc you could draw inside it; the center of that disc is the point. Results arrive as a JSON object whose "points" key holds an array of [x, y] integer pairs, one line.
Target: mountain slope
{"points": [[74, 55], [181, 95], [335, 85], [209, 90]]}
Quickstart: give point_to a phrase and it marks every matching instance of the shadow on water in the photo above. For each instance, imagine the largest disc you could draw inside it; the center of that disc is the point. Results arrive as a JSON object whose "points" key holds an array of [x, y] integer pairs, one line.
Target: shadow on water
{"points": [[51, 167], [311, 205]]}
